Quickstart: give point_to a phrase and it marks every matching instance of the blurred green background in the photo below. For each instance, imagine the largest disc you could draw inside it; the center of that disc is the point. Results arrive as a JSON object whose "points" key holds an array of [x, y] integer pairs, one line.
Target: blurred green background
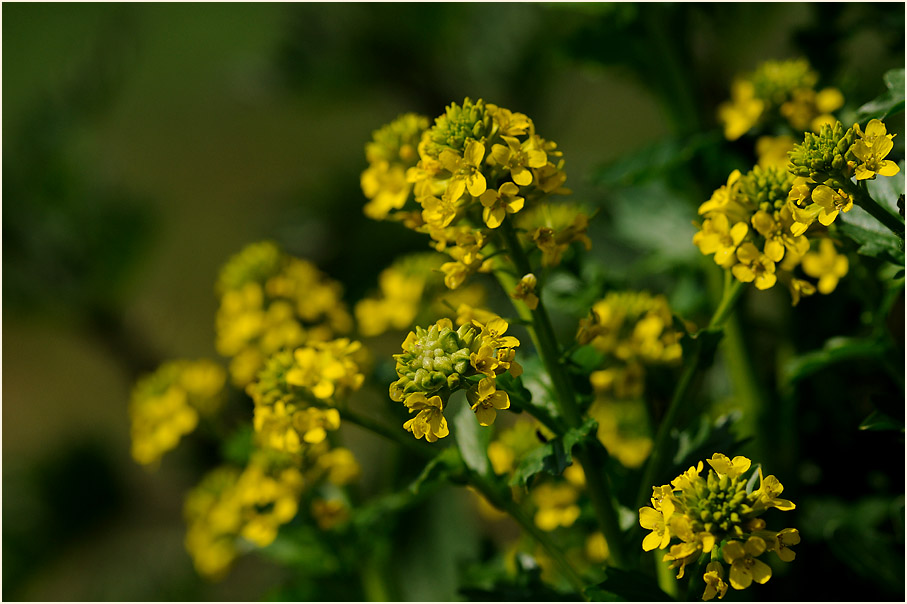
{"points": [[146, 143]]}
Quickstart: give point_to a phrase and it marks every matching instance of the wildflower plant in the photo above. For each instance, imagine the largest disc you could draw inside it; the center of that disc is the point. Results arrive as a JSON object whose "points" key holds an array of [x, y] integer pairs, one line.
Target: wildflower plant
{"points": [[553, 428]]}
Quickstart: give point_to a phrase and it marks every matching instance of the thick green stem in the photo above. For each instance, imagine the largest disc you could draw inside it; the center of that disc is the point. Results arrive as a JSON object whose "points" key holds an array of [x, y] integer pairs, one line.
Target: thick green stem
{"points": [[660, 451], [593, 457]]}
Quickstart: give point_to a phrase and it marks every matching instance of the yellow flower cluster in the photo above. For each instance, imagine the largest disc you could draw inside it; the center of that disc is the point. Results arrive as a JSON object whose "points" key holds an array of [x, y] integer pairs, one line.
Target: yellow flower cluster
{"points": [[783, 88], [824, 164], [294, 393], [230, 505], [750, 227], [270, 301], [717, 517], [391, 152], [632, 330], [166, 404], [438, 361], [477, 164]]}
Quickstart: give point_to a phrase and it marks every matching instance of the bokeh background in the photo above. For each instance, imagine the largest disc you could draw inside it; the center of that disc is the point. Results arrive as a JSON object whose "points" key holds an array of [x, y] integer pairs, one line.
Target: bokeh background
{"points": [[143, 144]]}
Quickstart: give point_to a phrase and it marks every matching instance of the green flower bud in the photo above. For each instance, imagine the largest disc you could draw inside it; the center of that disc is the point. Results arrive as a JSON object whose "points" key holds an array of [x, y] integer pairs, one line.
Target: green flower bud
{"points": [[434, 358], [458, 125]]}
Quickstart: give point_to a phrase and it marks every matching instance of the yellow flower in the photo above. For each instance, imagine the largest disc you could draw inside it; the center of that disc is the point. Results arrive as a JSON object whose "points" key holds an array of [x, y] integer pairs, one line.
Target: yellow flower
{"points": [[525, 291], [871, 149], [831, 202], [718, 237], [498, 204], [556, 505], [439, 213], [745, 568], [826, 265], [724, 466], [597, 548], [754, 266], [742, 112], [714, 581], [777, 234], [772, 150], [329, 513], [519, 157], [430, 421], [386, 188], [656, 520], [492, 334], [485, 399], [467, 168], [722, 197], [767, 494]]}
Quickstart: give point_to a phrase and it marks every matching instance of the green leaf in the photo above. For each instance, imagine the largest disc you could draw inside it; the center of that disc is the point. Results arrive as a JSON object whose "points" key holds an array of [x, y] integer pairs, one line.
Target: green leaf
{"points": [[446, 464], [655, 159], [472, 440], [302, 547], [889, 102], [835, 351], [878, 421], [626, 586], [554, 456]]}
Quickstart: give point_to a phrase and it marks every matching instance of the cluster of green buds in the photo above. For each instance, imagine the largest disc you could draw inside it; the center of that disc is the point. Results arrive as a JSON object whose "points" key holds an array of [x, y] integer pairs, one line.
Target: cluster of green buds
{"points": [[750, 227], [717, 517], [778, 89], [824, 165], [438, 361]]}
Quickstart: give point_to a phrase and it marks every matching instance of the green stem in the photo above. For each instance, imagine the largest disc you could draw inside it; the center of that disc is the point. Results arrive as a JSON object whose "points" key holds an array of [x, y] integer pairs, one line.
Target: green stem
{"points": [[399, 436], [862, 198], [592, 456], [520, 516], [481, 484], [660, 451]]}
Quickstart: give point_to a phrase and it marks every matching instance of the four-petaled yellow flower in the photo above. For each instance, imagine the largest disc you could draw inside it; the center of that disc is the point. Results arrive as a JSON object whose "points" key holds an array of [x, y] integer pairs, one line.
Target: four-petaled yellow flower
{"points": [[754, 266], [485, 399], [430, 421], [468, 167], [745, 565], [831, 202], [714, 581], [519, 157], [497, 204], [655, 519], [826, 265], [872, 148], [720, 238]]}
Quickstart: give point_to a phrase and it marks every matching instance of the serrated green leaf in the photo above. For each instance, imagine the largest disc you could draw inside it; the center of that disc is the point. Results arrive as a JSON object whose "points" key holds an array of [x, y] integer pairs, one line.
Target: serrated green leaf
{"points": [[626, 585], [889, 102], [878, 421], [554, 456], [875, 243]]}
